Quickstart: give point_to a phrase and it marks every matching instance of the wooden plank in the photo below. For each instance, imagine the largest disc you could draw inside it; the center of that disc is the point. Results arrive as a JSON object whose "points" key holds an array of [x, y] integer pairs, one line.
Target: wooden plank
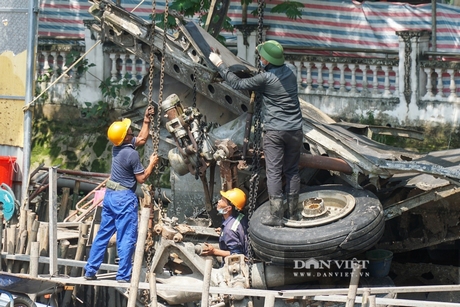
{"points": [[67, 234], [61, 261]]}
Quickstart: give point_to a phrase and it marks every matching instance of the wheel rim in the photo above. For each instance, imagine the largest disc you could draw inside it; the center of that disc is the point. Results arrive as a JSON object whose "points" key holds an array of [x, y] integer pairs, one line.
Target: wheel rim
{"points": [[322, 207]]}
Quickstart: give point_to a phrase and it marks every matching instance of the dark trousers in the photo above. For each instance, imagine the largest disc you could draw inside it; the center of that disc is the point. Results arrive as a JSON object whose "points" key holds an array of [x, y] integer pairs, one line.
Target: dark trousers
{"points": [[282, 154]]}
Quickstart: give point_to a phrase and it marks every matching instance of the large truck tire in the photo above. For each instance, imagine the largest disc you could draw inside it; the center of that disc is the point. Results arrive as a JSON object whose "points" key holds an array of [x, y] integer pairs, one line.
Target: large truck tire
{"points": [[23, 301], [344, 238]]}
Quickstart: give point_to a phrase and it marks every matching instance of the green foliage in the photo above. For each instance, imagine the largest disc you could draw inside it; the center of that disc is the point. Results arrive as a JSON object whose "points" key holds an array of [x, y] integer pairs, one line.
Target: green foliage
{"points": [[111, 91], [370, 120], [165, 181], [99, 110], [189, 8], [71, 57], [43, 78], [100, 146], [439, 137], [70, 154], [46, 76], [100, 165], [42, 146], [72, 144], [82, 66], [292, 9], [41, 132]]}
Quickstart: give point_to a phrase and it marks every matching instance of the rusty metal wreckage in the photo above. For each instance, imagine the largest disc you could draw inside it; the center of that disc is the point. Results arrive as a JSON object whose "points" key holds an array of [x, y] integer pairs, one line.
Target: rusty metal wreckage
{"points": [[366, 184], [373, 195], [402, 180]]}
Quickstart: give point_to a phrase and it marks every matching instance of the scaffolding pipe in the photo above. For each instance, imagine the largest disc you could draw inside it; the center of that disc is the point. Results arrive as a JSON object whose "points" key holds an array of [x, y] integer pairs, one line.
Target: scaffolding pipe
{"points": [[138, 256], [206, 282], [354, 281], [269, 301], [153, 289], [52, 218], [31, 50], [34, 258]]}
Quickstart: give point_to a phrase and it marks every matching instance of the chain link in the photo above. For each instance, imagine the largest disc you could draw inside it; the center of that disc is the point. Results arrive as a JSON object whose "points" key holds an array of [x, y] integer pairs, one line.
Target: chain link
{"points": [[160, 101], [195, 74], [152, 67], [145, 297], [195, 71], [255, 166], [154, 131], [202, 12]]}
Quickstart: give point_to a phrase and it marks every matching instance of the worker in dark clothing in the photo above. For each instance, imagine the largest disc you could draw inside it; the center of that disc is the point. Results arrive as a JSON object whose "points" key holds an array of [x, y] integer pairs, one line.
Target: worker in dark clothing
{"points": [[282, 126], [233, 232], [120, 205]]}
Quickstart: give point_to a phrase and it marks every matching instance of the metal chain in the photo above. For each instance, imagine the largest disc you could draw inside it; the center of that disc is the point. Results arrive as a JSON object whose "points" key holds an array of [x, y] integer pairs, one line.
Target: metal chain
{"points": [[255, 166], [200, 140], [160, 99], [195, 71], [155, 130], [195, 67], [149, 243], [201, 12], [151, 74], [260, 27], [199, 144], [145, 295]]}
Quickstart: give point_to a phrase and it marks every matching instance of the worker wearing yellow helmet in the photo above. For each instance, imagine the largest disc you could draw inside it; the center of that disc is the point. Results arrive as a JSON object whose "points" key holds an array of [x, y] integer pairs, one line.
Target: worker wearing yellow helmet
{"points": [[119, 209], [234, 229], [282, 125]]}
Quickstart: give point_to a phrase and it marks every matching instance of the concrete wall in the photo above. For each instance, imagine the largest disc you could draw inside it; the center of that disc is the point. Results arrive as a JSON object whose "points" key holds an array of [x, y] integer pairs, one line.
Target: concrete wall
{"points": [[407, 88]]}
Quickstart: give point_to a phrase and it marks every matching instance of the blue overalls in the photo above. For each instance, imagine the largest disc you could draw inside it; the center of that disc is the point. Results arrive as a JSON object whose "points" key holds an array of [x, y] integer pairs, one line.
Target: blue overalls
{"points": [[119, 213]]}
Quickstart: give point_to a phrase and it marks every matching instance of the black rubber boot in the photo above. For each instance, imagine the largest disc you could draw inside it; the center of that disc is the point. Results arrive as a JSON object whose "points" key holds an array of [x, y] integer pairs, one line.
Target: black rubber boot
{"points": [[295, 208], [277, 208]]}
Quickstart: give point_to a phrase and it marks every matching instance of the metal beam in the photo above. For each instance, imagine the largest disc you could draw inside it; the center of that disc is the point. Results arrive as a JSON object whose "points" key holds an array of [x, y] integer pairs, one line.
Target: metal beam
{"points": [[424, 168], [12, 97], [400, 207], [13, 10]]}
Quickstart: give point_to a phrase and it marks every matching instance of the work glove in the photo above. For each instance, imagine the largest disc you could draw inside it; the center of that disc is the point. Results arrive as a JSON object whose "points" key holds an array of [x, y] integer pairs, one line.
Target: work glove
{"points": [[215, 58]]}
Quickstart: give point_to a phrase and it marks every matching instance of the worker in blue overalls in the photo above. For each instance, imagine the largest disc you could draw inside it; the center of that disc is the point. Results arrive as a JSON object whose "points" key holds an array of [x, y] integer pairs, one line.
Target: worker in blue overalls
{"points": [[234, 230], [120, 205]]}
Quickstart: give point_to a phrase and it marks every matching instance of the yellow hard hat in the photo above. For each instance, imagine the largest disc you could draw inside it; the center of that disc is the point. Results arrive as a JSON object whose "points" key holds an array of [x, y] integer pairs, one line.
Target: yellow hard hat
{"points": [[117, 131], [236, 196]]}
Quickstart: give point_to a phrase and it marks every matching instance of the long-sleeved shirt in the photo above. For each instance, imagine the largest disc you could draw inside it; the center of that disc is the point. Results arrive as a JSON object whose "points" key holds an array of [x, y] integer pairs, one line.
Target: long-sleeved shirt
{"points": [[278, 86], [234, 235]]}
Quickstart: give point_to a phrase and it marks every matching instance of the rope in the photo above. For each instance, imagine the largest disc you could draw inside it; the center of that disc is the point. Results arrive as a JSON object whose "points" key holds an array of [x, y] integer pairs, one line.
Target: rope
{"points": [[135, 8], [27, 106]]}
